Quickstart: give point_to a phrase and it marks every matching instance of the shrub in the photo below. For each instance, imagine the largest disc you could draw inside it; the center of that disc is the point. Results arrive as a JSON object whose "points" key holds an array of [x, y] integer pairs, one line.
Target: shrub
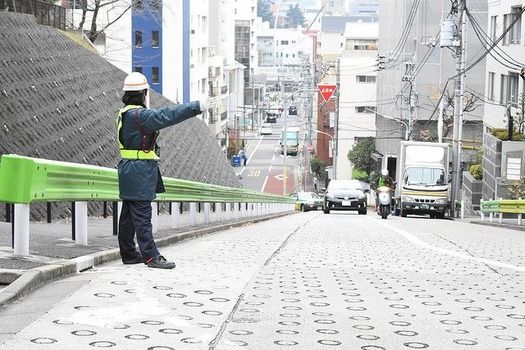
{"points": [[476, 171], [359, 175]]}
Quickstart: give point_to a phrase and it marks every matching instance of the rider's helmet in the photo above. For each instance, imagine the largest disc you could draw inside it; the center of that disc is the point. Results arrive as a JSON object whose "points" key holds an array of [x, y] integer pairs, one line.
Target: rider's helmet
{"points": [[384, 172]]}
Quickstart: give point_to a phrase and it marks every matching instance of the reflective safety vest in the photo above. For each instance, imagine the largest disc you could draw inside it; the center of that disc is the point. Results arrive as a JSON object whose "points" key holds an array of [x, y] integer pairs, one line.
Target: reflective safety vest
{"points": [[143, 154]]}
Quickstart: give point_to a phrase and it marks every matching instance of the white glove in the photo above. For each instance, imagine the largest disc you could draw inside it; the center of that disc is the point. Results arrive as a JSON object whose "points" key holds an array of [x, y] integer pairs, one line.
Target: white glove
{"points": [[202, 105]]}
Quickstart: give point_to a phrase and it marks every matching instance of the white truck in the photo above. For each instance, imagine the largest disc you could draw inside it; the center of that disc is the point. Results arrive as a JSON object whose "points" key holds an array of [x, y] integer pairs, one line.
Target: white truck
{"points": [[423, 183]]}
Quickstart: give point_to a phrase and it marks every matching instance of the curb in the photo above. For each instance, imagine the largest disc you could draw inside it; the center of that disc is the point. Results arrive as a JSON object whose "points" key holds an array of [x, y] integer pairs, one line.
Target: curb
{"points": [[33, 278], [497, 224]]}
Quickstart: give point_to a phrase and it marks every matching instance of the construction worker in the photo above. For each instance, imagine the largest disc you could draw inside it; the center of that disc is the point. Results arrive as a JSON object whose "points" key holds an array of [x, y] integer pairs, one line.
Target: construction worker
{"points": [[138, 171]]}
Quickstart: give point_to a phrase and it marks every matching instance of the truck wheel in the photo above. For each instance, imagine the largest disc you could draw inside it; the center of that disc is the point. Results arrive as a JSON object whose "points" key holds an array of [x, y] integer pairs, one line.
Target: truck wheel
{"points": [[440, 215], [403, 213], [326, 211], [433, 216], [362, 212], [302, 207]]}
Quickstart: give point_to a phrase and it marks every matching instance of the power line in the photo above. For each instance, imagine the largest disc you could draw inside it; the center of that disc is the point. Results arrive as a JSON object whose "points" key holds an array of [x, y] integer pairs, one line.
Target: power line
{"points": [[494, 44]]}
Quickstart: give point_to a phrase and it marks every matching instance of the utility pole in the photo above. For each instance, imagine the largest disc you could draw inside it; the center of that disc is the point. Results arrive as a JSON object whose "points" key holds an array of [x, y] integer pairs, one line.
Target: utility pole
{"points": [[336, 119], [284, 138], [408, 99], [459, 91]]}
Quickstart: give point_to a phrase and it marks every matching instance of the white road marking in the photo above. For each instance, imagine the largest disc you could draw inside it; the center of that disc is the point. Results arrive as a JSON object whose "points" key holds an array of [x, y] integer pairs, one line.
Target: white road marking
{"points": [[413, 239]]}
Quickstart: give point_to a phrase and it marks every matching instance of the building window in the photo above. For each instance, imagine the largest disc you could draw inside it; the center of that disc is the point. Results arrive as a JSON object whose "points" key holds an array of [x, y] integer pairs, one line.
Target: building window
{"points": [[493, 27], [361, 44], [155, 38], [138, 38], [515, 32], [506, 22], [368, 79], [284, 42], [155, 78], [513, 87], [138, 69], [490, 87], [365, 109], [155, 5], [504, 89]]}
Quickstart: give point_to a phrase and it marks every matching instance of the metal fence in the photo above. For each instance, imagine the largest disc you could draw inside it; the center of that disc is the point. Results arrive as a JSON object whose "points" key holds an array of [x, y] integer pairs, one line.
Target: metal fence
{"points": [[45, 13]]}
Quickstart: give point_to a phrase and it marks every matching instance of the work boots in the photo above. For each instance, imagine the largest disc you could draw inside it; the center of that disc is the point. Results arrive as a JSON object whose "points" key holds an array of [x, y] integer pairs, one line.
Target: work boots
{"points": [[160, 262]]}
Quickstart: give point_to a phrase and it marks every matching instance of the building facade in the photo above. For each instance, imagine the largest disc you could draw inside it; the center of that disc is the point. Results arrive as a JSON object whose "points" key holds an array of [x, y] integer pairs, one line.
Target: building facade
{"points": [[416, 72]]}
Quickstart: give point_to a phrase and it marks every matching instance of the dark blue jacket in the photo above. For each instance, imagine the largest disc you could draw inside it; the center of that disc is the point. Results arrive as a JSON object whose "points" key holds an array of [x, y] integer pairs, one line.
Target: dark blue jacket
{"points": [[140, 179]]}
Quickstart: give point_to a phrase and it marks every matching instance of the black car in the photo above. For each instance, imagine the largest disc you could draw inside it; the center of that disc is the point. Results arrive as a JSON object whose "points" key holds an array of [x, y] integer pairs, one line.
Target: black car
{"points": [[292, 110], [345, 195], [271, 117]]}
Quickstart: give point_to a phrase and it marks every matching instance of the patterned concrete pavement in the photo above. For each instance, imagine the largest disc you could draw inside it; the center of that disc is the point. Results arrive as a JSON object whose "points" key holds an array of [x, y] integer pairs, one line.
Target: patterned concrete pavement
{"points": [[307, 281]]}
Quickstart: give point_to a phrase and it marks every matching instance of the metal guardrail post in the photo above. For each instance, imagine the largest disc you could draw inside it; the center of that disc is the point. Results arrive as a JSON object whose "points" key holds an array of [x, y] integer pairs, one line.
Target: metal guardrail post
{"points": [[73, 219], [154, 217], [21, 230], [115, 218], [193, 213], [81, 224], [48, 212], [175, 215], [481, 210], [207, 213]]}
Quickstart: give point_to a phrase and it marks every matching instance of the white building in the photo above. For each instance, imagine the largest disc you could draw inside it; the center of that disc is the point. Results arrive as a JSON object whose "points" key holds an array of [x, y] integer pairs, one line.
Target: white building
{"points": [[282, 52], [357, 99], [504, 86]]}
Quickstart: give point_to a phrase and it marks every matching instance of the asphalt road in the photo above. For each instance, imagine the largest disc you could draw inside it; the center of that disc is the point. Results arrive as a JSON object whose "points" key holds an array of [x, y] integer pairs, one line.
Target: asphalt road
{"points": [[306, 281], [264, 170]]}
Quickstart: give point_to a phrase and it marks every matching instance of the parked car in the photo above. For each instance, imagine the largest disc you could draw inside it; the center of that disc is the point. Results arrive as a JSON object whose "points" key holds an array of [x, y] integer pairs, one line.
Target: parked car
{"points": [[266, 129], [292, 110], [345, 195], [306, 201]]}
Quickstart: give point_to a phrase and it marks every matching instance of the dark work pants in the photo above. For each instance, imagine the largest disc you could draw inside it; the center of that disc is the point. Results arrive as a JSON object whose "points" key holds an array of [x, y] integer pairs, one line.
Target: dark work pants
{"points": [[135, 218]]}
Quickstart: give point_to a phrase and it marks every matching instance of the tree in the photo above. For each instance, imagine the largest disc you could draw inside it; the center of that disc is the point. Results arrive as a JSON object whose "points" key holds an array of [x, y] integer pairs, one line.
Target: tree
{"points": [[361, 155], [470, 103], [263, 11], [95, 6], [294, 16], [318, 167]]}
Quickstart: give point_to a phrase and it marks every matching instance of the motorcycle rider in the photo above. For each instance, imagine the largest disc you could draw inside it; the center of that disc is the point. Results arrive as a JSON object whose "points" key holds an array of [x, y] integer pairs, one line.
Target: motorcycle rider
{"points": [[384, 181]]}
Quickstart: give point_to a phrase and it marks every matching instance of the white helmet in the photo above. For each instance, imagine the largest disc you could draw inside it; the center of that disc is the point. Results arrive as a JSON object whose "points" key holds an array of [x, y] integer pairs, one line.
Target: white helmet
{"points": [[384, 172], [135, 81]]}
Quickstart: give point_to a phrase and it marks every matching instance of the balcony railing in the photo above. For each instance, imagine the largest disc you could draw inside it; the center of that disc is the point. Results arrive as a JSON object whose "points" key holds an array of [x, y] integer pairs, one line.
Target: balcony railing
{"points": [[45, 13]]}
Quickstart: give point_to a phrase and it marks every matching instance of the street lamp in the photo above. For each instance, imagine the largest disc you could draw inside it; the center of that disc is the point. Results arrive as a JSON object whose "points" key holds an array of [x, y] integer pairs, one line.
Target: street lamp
{"points": [[407, 126], [333, 145]]}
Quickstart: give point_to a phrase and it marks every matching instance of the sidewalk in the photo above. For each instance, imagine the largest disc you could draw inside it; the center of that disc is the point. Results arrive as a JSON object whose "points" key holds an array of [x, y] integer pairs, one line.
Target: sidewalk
{"points": [[53, 254]]}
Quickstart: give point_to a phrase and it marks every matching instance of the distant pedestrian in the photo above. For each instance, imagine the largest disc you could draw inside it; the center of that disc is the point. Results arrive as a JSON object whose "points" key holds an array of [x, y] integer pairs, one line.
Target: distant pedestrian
{"points": [[138, 171], [242, 154]]}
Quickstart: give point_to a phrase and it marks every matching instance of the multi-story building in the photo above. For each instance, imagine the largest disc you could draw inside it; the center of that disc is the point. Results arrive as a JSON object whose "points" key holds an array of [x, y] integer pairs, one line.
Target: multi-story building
{"points": [[503, 161], [416, 73], [357, 93], [363, 7], [335, 7], [282, 54], [330, 47], [504, 86]]}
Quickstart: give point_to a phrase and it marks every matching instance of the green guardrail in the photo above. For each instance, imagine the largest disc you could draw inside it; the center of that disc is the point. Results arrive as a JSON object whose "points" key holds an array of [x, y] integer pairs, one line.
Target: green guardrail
{"points": [[511, 206], [28, 180]]}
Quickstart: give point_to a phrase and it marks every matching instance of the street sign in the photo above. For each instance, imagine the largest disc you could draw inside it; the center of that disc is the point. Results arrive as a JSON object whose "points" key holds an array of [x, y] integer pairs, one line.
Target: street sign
{"points": [[326, 90]]}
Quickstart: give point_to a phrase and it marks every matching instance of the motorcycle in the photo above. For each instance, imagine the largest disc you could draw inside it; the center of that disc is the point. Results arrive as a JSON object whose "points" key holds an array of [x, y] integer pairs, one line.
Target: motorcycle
{"points": [[384, 201]]}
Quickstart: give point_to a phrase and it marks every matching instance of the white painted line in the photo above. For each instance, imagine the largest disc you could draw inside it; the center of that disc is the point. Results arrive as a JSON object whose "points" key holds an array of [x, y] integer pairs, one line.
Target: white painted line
{"points": [[264, 183], [413, 239]]}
